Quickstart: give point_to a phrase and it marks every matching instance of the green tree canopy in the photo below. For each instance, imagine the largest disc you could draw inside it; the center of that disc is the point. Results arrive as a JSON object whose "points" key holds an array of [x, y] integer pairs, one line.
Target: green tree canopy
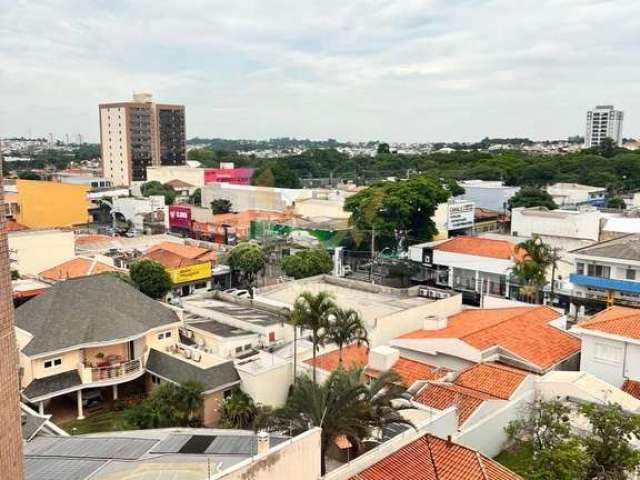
{"points": [[220, 205], [248, 259], [151, 278], [156, 188], [196, 197], [530, 270], [307, 263], [390, 207], [532, 197], [383, 148], [345, 327], [616, 202], [28, 175], [276, 174]]}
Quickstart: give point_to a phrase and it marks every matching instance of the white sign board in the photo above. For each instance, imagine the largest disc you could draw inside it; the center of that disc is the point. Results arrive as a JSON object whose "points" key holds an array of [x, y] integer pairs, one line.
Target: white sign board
{"points": [[461, 215]]}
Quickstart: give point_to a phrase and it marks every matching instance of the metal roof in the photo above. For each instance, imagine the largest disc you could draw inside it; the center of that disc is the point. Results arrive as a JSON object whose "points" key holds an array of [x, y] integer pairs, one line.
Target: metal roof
{"points": [[60, 468]]}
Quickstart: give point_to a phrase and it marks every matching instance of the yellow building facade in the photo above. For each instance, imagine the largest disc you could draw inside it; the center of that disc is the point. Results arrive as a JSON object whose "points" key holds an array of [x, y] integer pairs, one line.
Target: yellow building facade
{"points": [[51, 204]]}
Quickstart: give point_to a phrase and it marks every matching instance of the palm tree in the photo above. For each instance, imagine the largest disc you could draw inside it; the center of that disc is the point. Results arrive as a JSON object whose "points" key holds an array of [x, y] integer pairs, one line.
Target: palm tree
{"points": [[341, 406], [346, 327], [187, 402], [238, 411], [311, 311], [531, 269]]}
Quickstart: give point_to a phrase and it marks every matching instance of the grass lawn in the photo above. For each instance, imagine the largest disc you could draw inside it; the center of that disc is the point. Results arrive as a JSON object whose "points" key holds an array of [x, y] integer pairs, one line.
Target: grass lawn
{"points": [[100, 422], [516, 459]]}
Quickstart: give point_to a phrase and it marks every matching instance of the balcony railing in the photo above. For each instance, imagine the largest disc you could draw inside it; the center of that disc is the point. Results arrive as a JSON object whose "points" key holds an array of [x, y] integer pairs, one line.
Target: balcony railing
{"points": [[111, 372]]}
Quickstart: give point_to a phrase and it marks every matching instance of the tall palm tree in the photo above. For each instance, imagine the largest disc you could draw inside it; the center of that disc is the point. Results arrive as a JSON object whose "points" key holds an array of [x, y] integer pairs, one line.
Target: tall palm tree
{"points": [[238, 411], [341, 406], [311, 311], [531, 269], [346, 327], [188, 402]]}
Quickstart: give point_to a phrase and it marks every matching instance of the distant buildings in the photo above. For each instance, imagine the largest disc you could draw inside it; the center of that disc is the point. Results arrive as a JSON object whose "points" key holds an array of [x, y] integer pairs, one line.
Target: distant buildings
{"points": [[576, 194], [137, 134], [491, 195], [603, 122], [199, 177]]}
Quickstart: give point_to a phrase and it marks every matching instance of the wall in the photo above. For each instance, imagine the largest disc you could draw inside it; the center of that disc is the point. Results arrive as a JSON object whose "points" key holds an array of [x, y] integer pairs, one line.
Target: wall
{"points": [[579, 225], [120, 349], [194, 176], [33, 251], [392, 326], [298, 458], [472, 262], [244, 197], [222, 347], [210, 408], [151, 339], [269, 386], [51, 204], [114, 142], [321, 208], [70, 361], [611, 372], [490, 198]]}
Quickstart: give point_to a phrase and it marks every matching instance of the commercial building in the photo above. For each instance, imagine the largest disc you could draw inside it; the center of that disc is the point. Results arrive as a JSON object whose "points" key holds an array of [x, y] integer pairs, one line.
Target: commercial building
{"points": [[607, 273], [201, 176], [33, 251], [137, 134], [248, 197], [11, 462], [50, 204], [603, 122], [77, 267], [570, 227], [576, 194], [492, 195]]}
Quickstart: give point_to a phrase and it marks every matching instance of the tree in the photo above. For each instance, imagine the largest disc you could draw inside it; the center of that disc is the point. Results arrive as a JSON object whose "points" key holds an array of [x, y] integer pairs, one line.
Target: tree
{"points": [[532, 197], [341, 406], [220, 205], [277, 174], [196, 197], [311, 311], [612, 457], [383, 148], [151, 278], [156, 188], [238, 411], [202, 155], [169, 405], [616, 202], [307, 263], [346, 327], [247, 259], [28, 175], [607, 147], [393, 207], [530, 269]]}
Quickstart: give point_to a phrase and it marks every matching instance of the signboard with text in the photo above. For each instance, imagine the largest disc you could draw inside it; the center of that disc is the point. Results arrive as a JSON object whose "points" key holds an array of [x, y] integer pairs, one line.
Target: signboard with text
{"points": [[460, 216], [191, 273], [179, 216]]}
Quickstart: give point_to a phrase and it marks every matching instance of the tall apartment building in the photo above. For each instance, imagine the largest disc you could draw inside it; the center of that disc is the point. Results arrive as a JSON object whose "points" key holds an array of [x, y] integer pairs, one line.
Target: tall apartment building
{"points": [[11, 463], [138, 134], [603, 122]]}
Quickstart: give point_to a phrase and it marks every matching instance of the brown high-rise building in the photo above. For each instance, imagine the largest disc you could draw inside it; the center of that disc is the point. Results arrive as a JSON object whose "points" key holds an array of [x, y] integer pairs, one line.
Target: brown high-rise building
{"points": [[11, 466], [139, 134]]}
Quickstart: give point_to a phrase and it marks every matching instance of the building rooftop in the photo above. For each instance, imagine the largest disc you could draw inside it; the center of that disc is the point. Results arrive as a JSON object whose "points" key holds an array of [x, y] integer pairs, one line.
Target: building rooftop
{"points": [[179, 184], [481, 247], [220, 310], [522, 331], [433, 458], [632, 387], [491, 378], [442, 395], [83, 310], [41, 387], [186, 251], [622, 248], [76, 267], [214, 327], [622, 321]]}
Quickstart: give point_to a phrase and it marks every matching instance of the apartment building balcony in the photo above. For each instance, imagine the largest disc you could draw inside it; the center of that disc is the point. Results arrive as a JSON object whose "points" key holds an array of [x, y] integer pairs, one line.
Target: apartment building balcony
{"points": [[605, 283]]}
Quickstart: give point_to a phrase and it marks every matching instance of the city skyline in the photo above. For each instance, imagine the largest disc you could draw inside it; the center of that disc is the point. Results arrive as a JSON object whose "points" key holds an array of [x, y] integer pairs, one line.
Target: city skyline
{"points": [[397, 71]]}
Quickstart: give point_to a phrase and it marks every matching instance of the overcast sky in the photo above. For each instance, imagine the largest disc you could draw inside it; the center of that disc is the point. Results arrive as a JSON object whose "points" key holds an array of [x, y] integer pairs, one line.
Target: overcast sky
{"points": [[405, 70]]}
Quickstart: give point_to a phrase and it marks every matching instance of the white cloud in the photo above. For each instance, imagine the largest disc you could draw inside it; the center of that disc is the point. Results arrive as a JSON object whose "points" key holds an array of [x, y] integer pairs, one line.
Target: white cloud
{"points": [[363, 69]]}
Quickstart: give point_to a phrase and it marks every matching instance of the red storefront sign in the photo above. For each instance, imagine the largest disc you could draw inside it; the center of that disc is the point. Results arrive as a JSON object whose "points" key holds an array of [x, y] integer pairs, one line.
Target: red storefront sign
{"points": [[179, 216]]}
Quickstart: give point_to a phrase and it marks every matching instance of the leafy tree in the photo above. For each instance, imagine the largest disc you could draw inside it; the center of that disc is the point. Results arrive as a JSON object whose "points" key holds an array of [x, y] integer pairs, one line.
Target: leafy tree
{"points": [[607, 147], [307, 263], [238, 411], [202, 155], [383, 148], [311, 311], [346, 327], [156, 188], [220, 205], [28, 175], [391, 207], [341, 406], [169, 405], [196, 197], [616, 202], [151, 278], [530, 270], [532, 197], [276, 174], [248, 259]]}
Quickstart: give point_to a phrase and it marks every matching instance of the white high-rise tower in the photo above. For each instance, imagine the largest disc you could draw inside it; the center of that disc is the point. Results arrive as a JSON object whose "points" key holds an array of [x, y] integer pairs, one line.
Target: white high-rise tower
{"points": [[603, 122]]}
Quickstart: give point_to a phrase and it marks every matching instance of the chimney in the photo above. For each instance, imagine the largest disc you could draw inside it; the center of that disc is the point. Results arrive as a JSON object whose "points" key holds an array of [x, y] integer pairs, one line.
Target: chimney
{"points": [[435, 322], [263, 442], [382, 358]]}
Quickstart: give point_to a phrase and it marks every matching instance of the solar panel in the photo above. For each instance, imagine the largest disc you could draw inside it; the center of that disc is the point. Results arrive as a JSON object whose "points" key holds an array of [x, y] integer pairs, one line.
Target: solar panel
{"points": [[197, 444], [171, 444], [233, 444]]}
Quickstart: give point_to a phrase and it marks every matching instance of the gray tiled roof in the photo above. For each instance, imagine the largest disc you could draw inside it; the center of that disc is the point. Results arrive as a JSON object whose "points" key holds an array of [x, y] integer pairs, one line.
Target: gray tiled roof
{"points": [[90, 309], [179, 371], [55, 383], [31, 424], [623, 248]]}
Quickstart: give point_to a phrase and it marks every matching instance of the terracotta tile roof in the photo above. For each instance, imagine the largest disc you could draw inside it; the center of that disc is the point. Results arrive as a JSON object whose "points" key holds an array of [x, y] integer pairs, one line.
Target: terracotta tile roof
{"points": [[90, 238], [186, 251], [491, 378], [442, 395], [170, 259], [74, 268], [632, 387], [179, 184], [481, 247], [246, 216], [523, 331], [12, 226], [432, 458], [621, 321], [410, 371]]}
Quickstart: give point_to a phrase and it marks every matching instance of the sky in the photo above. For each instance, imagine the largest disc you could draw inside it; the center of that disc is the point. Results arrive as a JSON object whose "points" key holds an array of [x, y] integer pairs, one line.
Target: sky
{"points": [[399, 71]]}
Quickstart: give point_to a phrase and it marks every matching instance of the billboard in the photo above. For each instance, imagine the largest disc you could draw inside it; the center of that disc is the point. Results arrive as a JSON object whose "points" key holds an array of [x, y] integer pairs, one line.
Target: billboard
{"points": [[179, 216], [190, 273], [460, 215]]}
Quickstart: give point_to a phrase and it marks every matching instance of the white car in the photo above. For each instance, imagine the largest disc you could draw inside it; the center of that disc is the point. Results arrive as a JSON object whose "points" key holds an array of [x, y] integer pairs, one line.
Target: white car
{"points": [[241, 294]]}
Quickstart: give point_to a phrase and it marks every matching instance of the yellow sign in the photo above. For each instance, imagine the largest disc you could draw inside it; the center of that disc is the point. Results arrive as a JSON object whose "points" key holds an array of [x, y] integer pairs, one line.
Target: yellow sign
{"points": [[191, 273]]}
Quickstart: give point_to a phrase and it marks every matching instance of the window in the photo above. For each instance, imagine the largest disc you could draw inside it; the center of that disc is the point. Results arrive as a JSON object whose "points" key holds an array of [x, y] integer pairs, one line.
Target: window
{"points": [[155, 380], [631, 274], [238, 349], [608, 353], [52, 363], [580, 268], [163, 335], [598, 271], [272, 337], [247, 346]]}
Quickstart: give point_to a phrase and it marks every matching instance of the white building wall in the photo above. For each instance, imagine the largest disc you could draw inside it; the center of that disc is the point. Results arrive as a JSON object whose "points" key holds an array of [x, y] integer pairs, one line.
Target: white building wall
{"points": [[32, 251], [489, 195], [609, 371], [115, 145], [267, 387], [472, 262], [570, 224], [194, 176]]}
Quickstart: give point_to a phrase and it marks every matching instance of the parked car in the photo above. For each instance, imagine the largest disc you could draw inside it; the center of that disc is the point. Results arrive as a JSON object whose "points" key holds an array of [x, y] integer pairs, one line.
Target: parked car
{"points": [[242, 294], [92, 398], [231, 291]]}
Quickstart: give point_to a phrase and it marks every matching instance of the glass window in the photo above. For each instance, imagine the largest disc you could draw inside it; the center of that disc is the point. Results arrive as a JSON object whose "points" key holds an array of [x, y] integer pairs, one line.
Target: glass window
{"points": [[54, 362], [247, 346], [608, 353], [580, 268], [631, 274], [599, 271], [238, 349]]}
